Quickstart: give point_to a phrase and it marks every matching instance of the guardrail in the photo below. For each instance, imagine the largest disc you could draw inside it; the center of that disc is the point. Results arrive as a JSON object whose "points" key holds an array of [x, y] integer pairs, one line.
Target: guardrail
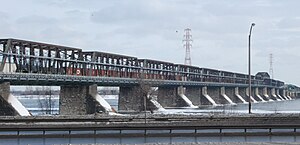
{"points": [[146, 130], [154, 125]]}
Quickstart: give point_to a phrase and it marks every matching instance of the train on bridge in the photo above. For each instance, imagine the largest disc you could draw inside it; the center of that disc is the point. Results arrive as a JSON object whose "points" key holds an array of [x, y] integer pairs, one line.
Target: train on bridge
{"points": [[33, 57]]}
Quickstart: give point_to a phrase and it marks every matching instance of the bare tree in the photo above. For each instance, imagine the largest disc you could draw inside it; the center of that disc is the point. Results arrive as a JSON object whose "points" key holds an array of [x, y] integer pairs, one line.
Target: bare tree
{"points": [[146, 91], [46, 102]]}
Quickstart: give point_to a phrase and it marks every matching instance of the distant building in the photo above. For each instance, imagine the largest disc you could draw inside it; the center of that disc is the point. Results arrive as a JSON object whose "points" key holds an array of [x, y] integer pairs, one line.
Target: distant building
{"points": [[262, 75]]}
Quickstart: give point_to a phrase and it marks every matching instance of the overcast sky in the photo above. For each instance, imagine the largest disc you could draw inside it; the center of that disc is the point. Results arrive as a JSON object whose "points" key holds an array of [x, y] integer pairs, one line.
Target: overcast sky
{"points": [[154, 29]]}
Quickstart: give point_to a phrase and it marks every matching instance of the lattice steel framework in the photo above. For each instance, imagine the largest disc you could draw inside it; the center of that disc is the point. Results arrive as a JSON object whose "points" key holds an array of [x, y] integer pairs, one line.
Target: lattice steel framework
{"points": [[23, 59], [187, 45], [271, 66]]}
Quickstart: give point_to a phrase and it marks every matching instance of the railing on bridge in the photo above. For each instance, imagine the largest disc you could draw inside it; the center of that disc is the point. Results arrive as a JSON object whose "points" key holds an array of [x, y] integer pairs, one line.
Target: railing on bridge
{"points": [[22, 56]]}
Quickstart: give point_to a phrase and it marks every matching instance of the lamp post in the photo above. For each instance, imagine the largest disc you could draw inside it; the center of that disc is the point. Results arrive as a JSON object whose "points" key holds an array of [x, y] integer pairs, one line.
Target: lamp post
{"points": [[249, 65]]}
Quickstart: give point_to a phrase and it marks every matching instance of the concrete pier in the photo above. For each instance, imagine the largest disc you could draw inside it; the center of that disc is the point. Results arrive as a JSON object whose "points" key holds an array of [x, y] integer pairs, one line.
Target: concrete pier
{"points": [[257, 94], [230, 92], [237, 94], [77, 100], [261, 93], [283, 93], [278, 94], [186, 101], [273, 93], [169, 97], [266, 94], [224, 96], [215, 94], [206, 99], [194, 94], [133, 99], [269, 92], [243, 93], [252, 93]]}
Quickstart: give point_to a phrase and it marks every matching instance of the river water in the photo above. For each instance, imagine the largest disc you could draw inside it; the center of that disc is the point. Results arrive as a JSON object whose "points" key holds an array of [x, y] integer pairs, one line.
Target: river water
{"points": [[292, 106], [33, 104]]}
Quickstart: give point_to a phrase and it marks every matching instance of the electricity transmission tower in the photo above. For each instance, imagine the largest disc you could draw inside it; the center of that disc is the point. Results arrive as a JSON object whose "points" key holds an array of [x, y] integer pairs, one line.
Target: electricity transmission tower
{"points": [[271, 66], [187, 39]]}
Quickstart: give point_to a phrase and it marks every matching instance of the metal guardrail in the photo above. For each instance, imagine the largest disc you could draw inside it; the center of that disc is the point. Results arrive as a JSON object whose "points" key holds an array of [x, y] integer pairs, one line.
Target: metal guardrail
{"points": [[89, 126], [104, 131]]}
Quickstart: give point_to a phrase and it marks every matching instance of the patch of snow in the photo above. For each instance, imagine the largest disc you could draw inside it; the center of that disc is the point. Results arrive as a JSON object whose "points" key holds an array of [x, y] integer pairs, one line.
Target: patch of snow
{"points": [[17, 105], [103, 103], [157, 105], [219, 111], [116, 114]]}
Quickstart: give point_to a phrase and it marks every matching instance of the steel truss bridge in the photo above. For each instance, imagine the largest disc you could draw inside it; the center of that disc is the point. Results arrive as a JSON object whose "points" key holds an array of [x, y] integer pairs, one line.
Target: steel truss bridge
{"points": [[33, 63]]}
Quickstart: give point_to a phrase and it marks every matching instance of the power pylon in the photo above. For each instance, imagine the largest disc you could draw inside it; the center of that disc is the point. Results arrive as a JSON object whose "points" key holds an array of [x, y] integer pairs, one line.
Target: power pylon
{"points": [[187, 39], [271, 66]]}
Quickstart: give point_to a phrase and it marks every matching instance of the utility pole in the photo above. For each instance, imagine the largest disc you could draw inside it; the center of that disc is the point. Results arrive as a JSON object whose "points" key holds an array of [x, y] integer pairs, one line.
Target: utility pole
{"points": [[249, 64], [187, 39]]}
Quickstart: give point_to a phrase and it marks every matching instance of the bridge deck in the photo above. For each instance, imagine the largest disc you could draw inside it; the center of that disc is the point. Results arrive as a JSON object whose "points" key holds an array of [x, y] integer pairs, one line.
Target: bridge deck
{"points": [[54, 80]]}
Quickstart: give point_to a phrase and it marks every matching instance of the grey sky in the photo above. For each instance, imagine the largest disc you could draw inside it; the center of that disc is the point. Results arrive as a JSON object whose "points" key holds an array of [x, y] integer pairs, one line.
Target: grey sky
{"points": [[147, 29]]}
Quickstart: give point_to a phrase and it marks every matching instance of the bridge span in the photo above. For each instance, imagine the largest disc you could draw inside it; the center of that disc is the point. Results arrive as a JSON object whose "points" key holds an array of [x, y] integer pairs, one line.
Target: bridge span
{"points": [[143, 83]]}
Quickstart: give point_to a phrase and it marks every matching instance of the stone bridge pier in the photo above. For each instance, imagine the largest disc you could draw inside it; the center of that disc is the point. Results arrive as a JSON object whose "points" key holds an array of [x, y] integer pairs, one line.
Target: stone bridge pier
{"points": [[77, 100], [134, 99], [259, 95], [283, 94], [206, 99], [172, 96], [266, 94], [277, 92], [260, 92], [230, 92], [243, 93], [81, 100], [215, 94], [194, 94], [252, 95], [255, 94], [271, 95], [239, 93]]}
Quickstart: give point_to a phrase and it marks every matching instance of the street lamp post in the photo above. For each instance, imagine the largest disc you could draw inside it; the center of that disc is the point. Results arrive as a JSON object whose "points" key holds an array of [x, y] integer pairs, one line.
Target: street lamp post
{"points": [[249, 65]]}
